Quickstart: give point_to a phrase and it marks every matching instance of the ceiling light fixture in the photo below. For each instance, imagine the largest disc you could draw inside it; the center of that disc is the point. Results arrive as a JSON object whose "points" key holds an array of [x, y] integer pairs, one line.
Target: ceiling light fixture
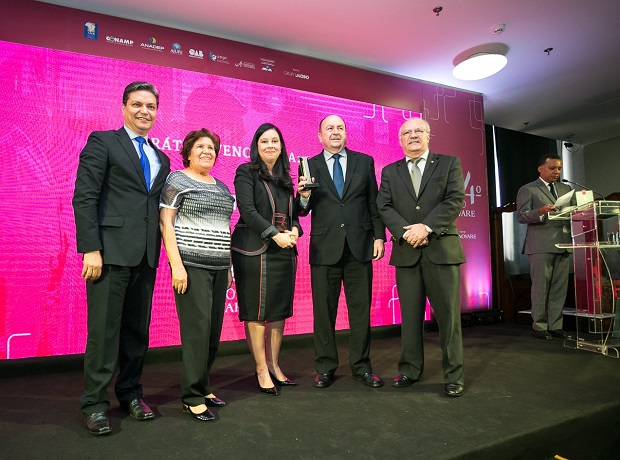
{"points": [[479, 66]]}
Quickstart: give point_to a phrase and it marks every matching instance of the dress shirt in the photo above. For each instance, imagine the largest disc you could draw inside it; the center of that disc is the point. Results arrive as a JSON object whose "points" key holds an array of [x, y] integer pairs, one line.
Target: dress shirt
{"points": [[150, 153], [329, 159]]}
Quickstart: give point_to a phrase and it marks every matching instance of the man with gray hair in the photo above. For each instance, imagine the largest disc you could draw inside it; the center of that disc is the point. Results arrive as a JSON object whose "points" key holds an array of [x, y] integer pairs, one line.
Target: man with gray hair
{"points": [[419, 199]]}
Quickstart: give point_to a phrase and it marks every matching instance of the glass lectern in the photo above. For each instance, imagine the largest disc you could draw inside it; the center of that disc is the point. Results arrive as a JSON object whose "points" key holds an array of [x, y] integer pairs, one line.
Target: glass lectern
{"points": [[596, 255]]}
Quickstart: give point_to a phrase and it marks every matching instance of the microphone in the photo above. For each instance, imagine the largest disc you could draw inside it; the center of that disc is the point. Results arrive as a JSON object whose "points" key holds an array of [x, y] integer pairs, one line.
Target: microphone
{"points": [[583, 187]]}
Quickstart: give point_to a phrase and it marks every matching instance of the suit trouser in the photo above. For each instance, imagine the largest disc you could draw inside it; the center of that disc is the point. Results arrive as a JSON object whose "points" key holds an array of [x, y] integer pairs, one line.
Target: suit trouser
{"points": [[119, 315], [326, 286], [441, 283], [201, 312], [549, 273]]}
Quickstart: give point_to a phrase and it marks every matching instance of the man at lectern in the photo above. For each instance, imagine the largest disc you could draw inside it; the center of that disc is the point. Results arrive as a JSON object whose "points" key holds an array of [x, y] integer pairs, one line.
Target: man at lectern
{"points": [[549, 265], [116, 206]]}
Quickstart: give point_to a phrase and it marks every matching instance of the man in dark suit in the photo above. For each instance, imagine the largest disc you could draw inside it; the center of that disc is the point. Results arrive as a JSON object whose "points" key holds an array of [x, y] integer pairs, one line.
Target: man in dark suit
{"points": [[116, 206], [549, 265], [419, 199], [347, 235]]}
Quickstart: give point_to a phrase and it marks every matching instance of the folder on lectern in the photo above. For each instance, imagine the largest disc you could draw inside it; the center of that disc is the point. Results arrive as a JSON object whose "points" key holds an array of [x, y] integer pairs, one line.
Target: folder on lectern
{"points": [[584, 196]]}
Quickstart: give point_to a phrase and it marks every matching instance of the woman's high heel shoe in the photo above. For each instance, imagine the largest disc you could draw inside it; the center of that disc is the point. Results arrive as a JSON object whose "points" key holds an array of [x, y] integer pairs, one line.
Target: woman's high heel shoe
{"points": [[206, 416], [283, 383], [273, 391], [214, 402]]}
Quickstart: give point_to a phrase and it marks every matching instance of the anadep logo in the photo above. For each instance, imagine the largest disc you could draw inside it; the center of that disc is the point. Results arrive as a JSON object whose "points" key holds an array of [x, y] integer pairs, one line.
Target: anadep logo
{"points": [[152, 45]]}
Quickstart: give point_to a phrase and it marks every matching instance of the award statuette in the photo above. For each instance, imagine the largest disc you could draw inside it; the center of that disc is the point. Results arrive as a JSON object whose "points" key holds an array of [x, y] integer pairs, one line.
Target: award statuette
{"points": [[304, 170]]}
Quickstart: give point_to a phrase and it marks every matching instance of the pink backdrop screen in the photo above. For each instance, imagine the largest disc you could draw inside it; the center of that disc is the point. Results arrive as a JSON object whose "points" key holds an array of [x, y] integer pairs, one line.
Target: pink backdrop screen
{"points": [[53, 99]]}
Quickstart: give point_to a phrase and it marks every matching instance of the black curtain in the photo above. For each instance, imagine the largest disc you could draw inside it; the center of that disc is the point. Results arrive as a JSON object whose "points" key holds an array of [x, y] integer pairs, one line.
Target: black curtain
{"points": [[517, 158]]}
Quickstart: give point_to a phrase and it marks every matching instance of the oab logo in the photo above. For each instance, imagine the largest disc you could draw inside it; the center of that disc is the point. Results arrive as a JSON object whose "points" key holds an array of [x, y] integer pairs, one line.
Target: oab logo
{"points": [[196, 54]]}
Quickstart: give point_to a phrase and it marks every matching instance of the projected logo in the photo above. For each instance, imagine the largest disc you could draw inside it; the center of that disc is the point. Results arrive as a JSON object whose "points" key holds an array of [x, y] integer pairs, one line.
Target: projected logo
{"points": [[219, 58], [296, 74], [90, 30], [472, 191], [119, 41], [246, 65], [176, 49], [152, 45], [197, 54], [267, 64]]}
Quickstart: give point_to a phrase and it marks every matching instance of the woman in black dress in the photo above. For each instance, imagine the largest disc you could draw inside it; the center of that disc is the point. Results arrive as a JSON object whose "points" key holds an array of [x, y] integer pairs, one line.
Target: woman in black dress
{"points": [[263, 252]]}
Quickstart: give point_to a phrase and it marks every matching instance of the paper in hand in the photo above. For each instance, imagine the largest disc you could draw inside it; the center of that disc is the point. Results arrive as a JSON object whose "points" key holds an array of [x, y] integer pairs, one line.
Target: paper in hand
{"points": [[564, 199]]}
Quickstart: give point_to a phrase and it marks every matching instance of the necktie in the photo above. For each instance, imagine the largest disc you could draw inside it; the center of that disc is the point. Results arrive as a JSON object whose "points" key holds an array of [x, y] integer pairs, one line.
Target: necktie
{"points": [[416, 175], [552, 188], [144, 162], [338, 176]]}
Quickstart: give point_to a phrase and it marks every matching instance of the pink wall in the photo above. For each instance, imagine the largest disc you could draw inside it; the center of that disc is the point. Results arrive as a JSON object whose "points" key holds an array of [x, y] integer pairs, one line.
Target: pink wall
{"points": [[57, 86]]}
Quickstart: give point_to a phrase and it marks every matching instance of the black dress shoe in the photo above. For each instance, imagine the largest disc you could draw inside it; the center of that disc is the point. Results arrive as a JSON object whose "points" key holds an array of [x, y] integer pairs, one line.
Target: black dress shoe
{"points": [[401, 381], [273, 391], [454, 390], [370, 380], [323, 380], [283, 383], [206, 416], [214, 402], [543, 335], [97, 423], [138, 410], [560, 334]]}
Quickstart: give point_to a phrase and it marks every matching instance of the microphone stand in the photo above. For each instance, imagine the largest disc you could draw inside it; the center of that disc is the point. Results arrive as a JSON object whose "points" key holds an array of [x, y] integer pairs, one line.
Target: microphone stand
{"points": [[583, 187]]}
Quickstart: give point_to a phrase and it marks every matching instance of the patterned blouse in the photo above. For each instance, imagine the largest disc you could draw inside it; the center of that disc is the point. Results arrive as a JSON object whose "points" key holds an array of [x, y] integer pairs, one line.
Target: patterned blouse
{"points": [[202, 223]]}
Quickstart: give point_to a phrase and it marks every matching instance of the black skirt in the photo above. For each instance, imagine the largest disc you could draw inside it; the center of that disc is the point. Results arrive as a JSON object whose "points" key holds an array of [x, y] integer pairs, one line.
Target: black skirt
{"points": [[265, 283]]}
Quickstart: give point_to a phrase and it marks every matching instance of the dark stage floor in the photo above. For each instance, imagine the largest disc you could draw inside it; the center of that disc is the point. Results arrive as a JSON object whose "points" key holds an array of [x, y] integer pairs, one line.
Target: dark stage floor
{"points": [[525, 399]]}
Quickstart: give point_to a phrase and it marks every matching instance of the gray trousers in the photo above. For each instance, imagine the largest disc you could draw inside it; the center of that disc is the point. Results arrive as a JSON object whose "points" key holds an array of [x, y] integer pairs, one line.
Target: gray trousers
{"points": [[549, 273]]}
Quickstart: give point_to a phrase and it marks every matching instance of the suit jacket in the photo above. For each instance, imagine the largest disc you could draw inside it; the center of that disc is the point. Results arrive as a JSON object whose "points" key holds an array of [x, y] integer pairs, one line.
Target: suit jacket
{"points": [[256, 208], [113, 211], [438, 205], [542, 234], [352, 219]]}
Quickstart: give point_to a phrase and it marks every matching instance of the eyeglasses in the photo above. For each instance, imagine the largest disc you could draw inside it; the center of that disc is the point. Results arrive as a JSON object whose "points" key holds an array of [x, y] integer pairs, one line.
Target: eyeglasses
{"points": [[408, 133]]}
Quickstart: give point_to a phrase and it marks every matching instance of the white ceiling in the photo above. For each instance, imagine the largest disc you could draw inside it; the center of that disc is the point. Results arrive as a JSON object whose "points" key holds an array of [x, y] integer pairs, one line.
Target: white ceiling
{"points": [[573, 91]]}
